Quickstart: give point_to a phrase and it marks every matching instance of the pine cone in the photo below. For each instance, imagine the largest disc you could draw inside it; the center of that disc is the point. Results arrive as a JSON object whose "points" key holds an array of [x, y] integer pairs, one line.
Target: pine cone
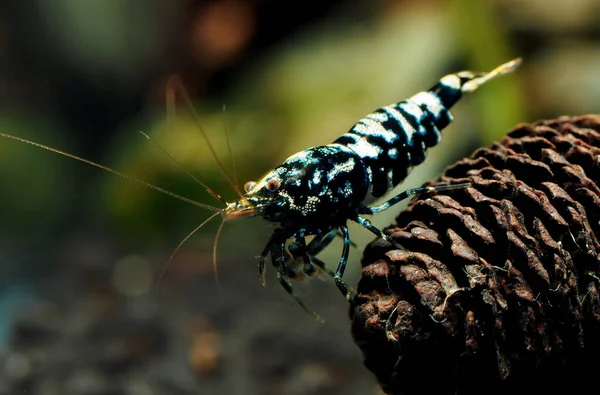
{"points": [[497, 290]]}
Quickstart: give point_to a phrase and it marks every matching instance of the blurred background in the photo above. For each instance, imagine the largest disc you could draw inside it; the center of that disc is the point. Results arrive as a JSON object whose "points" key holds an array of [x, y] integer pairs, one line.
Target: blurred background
{"points": [[83, 307]]}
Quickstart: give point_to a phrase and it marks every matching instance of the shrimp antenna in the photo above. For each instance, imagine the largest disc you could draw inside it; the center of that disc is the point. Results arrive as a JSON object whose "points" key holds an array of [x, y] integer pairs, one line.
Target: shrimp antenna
{"points": [[181, 243], [176, 82], [215, 245], [231, 156], [208, 189], [118, 173]]}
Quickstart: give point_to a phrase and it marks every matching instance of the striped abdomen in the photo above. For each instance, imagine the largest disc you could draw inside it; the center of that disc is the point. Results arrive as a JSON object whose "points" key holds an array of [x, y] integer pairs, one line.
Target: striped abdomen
{"points": [[395, 138]]}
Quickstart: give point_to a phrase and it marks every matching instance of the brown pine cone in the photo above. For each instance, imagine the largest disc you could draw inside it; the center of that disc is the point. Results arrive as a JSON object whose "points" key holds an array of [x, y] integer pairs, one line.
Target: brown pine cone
{"points": [[496, 291]]}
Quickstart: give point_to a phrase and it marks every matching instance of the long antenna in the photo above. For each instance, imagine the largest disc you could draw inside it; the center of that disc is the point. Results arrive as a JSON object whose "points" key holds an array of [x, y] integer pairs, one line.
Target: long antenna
{"points": [[233, 168], [170, 105], [208, 189], [108, 169], [181, 243], [215, 245], [176, 82]]}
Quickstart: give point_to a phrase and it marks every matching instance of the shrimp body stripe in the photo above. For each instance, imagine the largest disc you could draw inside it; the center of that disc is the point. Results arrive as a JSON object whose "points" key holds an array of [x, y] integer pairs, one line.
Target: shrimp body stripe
{"points": [[393, 139]]}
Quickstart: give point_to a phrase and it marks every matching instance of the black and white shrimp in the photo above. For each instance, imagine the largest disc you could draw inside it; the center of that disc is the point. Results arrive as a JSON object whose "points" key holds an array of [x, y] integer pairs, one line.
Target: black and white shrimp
{"points": [[316, 192]]}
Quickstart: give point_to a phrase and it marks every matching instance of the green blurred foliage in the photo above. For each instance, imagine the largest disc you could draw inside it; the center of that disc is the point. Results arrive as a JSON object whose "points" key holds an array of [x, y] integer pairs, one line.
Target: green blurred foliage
{"points": [[484, 41]]}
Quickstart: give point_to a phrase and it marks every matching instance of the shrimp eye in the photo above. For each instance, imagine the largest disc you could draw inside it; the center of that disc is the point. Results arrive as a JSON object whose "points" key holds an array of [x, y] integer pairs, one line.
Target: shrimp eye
{"points": [[273, 185], [249, 185]]}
